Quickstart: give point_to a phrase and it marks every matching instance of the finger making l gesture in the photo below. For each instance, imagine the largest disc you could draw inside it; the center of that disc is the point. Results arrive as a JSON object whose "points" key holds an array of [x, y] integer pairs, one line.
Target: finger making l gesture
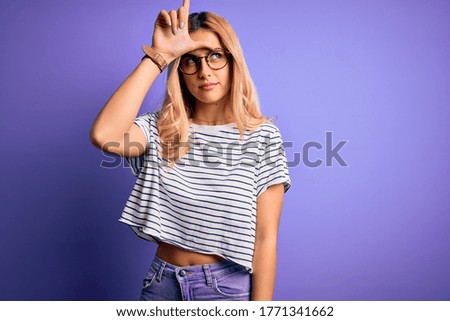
{"points": [[170, 36]]}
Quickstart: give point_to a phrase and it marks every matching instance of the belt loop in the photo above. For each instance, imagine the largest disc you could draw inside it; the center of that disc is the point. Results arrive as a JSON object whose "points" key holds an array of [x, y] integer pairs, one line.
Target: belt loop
{"points": [[207, 274], [160, 271]]}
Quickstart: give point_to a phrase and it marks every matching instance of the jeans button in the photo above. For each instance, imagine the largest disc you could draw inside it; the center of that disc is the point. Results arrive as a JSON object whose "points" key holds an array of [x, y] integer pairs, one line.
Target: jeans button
{"points": [[182, 273]]}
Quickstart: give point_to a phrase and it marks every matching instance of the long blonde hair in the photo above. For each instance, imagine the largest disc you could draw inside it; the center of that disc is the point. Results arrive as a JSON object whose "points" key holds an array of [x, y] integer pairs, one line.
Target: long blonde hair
{"points": [[179, 104]]}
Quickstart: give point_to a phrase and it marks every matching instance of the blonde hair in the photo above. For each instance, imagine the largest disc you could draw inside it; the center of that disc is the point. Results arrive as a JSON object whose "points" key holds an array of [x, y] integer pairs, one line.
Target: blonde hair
{"points": [[179, 104]]}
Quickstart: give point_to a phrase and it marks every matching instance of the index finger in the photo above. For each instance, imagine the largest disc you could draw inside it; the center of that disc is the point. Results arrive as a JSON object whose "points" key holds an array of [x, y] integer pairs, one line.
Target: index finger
{"points": [[187, 4]]}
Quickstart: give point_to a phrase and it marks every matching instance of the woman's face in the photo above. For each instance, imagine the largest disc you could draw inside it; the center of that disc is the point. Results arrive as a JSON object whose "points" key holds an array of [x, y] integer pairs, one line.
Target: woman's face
{"points": [[208, 86]]}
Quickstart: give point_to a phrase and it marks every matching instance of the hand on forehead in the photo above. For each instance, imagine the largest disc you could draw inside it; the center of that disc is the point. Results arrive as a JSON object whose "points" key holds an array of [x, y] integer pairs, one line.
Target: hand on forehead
{"points": [[210, 41]]}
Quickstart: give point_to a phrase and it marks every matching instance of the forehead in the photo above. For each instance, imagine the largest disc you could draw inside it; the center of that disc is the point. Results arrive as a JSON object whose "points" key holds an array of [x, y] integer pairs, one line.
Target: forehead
{"points": [[209, 38]]}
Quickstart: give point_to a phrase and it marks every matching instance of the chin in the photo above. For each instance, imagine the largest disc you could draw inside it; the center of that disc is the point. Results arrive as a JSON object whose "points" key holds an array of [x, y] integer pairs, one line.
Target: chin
{"points": [[210, 99]]}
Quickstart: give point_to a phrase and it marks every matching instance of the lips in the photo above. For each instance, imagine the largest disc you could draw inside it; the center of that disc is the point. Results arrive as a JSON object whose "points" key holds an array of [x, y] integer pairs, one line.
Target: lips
{"points": [[208, 86]]}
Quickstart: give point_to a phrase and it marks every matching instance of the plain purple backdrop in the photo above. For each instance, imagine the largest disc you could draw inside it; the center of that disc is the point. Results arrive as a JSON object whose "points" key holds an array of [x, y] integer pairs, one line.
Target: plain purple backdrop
{"points": [[374, 73]]}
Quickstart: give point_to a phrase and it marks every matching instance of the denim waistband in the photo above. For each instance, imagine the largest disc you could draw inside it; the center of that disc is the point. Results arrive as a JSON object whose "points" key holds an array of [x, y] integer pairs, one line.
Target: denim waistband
{"points": [[196, 271]]}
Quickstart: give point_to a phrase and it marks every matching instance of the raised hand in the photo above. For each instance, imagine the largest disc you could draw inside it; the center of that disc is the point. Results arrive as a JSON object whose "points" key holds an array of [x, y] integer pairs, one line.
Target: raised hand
{"points": [[170, 36]]}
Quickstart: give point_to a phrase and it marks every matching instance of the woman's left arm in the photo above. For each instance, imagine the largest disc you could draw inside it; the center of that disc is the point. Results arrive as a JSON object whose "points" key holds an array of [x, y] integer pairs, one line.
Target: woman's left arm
{"points": [[268, 211]]}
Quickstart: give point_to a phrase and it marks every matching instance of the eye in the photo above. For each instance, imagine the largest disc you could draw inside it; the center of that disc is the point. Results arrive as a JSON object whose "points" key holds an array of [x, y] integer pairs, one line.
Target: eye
{"points": [[189, 61], [215, 56]]}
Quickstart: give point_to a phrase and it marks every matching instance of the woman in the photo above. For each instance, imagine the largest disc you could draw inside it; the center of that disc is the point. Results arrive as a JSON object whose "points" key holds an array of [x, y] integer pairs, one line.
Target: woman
{"points": [[211, 169]]}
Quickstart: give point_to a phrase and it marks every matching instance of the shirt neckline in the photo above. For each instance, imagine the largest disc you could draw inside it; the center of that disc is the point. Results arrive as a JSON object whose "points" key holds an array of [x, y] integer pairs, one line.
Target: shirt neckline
{"points": [[212, 127]]}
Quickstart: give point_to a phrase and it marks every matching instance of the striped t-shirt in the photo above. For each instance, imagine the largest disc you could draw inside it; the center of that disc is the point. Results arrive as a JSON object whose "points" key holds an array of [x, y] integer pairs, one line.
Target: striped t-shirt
{"points": [[207, 202]]}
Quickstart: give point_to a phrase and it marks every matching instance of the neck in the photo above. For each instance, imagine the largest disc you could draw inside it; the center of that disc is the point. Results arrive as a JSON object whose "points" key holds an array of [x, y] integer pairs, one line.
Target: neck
{"points": [[227, 120], [212, 114]]}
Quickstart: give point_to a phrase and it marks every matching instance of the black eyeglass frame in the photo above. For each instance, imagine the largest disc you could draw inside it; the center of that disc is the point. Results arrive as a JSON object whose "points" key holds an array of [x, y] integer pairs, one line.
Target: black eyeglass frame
{"points": [[226, 52]]}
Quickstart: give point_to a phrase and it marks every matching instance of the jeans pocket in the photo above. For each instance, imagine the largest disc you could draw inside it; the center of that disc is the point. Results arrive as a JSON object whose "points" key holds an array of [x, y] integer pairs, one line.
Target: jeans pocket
{"points": [[235, 284], [149, 279]]}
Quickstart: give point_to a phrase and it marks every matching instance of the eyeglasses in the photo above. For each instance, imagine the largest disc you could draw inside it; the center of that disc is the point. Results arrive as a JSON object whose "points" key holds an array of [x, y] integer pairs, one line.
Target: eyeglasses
{"points": [[215, 60]]}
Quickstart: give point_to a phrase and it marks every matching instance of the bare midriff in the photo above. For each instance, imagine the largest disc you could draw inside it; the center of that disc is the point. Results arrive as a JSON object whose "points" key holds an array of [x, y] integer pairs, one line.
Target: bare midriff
{"points": [[177, 256]]}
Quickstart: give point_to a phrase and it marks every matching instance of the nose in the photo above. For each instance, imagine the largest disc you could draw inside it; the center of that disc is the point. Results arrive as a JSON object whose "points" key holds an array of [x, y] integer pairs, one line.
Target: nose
{"points": [[203, 69]]}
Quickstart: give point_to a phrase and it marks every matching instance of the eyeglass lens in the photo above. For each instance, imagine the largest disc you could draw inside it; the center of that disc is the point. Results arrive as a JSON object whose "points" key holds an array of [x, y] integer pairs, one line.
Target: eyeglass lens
{"points": [[190, 64]]}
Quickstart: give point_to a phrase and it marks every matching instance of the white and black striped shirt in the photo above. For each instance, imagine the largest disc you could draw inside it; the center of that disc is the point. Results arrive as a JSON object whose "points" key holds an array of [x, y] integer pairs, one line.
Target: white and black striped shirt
{"points": [[207, 202]]}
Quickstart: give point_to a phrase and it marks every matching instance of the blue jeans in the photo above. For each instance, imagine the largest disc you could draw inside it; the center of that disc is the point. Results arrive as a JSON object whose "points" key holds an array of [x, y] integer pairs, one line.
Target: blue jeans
{"points": [[220, 281]]}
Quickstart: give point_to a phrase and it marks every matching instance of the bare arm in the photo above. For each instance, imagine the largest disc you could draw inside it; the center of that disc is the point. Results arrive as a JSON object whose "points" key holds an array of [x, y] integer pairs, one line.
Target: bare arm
{"points": [[116, 118], [269, 205], [114, 124]]}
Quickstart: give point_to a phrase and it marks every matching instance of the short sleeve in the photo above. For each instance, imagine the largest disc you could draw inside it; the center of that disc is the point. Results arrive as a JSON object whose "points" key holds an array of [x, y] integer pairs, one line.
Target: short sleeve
{"points": [[144, 122], [273, 167]]}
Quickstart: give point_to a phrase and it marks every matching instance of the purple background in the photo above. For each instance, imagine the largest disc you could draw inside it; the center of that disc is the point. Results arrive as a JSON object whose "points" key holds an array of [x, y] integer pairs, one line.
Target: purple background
{"points": [[375, 73]]}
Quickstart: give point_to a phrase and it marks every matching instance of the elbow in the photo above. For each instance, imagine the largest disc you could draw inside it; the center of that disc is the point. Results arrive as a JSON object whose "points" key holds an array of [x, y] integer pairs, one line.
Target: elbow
{"points": [[97, 138], [266, 239], [104, 142]]}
